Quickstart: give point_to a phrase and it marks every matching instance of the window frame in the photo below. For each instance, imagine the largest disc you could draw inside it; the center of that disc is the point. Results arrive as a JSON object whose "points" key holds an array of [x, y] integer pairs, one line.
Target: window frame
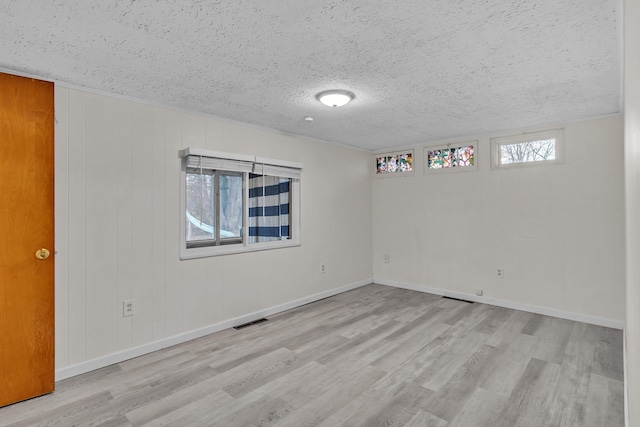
{"points": [[217, 240], [497, 143], [203, 250], [456, 169]]}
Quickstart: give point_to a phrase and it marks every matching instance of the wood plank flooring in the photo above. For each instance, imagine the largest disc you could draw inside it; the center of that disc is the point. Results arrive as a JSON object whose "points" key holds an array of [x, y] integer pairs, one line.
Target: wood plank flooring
{"points": [[374, 356]]}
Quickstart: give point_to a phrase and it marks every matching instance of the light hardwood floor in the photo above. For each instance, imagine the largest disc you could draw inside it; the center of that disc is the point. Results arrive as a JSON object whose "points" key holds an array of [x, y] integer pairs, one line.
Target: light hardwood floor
{"points": [[374, 356]]}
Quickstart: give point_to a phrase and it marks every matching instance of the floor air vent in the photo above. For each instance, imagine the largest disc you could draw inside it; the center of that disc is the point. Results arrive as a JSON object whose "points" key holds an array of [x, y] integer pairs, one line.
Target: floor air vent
{"points": [[246, 325], [458, 299]]}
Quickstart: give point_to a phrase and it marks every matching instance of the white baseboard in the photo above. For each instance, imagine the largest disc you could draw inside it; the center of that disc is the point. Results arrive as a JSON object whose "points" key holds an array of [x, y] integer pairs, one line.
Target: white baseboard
{"points": [[609, 323], [625, 383], [120, 356]]}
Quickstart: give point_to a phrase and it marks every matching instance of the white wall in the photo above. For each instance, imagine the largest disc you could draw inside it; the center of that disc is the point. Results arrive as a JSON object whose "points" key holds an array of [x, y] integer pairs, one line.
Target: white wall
{"points": [[632, 181], [117, 227], [557, 231]]}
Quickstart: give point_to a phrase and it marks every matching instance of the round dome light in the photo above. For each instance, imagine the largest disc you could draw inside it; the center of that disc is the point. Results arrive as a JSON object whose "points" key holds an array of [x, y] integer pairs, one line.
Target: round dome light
{"points": [[335, 98]]}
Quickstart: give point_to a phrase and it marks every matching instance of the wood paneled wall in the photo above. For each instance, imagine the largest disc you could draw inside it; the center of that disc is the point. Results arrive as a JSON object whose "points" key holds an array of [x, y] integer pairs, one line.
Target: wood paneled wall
{"points": [[117, 226]]}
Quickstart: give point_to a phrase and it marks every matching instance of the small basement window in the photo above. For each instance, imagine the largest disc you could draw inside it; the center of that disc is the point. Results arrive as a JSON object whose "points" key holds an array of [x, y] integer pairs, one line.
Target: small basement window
{"points": [[399, 163], [457, 157], [527, 149]]}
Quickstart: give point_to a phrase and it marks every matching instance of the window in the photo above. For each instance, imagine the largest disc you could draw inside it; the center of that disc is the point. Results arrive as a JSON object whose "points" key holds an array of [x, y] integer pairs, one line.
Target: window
{"points": [[269, 207], [527, 149], [398, 163], [237, 203], [214, 208], [451, 157]]}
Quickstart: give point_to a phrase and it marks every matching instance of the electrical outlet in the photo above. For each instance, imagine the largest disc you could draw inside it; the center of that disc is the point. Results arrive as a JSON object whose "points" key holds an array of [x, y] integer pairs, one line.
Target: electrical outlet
{"points": [[386, 258], [323, 268], [479, 292], [128, 307], [500, 273]]}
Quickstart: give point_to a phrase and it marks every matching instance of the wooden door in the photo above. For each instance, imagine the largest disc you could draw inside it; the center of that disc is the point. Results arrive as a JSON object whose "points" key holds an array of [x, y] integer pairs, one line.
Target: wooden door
{"points": [[26, 226]]}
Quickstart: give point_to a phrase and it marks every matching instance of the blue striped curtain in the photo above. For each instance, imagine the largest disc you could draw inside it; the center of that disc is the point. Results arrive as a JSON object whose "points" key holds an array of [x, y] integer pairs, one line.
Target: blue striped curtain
{"points": [[268, 208]]}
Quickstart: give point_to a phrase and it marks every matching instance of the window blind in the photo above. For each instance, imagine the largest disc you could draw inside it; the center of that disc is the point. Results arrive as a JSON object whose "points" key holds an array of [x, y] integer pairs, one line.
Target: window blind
{"points": [[213, 160], [273, 170], [215, 163]]}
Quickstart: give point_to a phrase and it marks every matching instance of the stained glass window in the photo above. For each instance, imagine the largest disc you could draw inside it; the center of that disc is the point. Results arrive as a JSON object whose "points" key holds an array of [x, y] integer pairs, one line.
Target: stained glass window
{"points": [[447, 157], [392, 163]]}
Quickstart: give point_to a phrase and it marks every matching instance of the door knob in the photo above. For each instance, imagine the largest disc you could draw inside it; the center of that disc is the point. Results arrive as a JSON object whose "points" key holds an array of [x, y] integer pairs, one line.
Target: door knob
{"points": [[42, 253]]}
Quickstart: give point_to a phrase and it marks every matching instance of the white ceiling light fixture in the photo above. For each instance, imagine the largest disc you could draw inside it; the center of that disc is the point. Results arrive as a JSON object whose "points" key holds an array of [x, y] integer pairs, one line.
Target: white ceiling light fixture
{"points": [[335, 98]]}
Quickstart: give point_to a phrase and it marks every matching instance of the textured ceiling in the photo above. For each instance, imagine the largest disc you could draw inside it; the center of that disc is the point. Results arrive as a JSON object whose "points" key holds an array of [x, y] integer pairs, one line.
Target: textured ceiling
{"points": [[422, 70]]}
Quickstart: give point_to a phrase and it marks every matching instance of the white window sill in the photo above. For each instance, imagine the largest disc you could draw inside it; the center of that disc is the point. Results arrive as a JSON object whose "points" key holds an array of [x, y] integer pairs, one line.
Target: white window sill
{"points": [[211, 251]]}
